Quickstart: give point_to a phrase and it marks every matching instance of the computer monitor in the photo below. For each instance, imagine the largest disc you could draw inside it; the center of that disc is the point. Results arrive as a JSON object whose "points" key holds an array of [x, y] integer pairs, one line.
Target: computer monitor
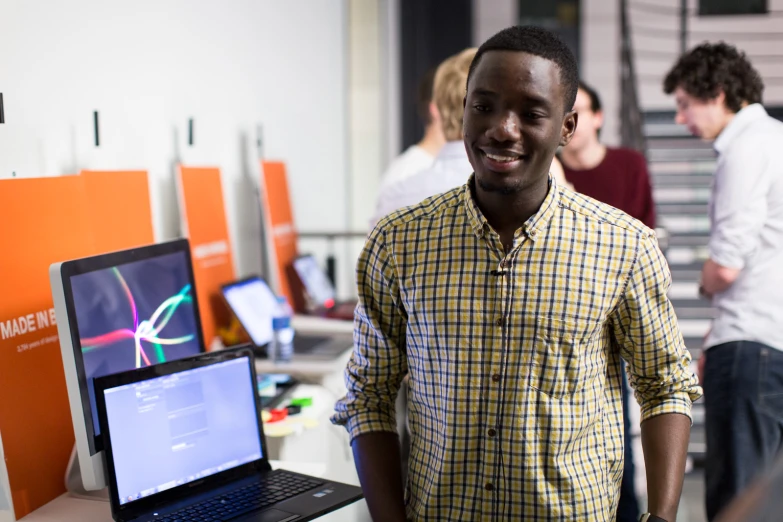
{"points": [[116, 312]]}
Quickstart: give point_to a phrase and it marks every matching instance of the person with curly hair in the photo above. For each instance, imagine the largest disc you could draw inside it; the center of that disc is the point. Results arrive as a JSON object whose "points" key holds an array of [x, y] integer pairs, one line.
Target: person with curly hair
{"points": [[718, 95]]}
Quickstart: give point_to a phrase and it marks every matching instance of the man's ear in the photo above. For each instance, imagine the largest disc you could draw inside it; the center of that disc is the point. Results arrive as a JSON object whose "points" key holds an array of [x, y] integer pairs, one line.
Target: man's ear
{"points": [[599, 120], [568, 128], [434, 112]]}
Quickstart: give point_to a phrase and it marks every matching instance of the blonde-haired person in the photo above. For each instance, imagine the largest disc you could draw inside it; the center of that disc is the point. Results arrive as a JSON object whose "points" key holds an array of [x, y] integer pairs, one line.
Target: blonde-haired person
{"points": [[451, 167]]}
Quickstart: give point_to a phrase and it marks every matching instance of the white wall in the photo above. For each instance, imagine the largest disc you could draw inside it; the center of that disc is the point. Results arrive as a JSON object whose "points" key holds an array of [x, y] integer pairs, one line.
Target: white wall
{"points": [[148, 66]]}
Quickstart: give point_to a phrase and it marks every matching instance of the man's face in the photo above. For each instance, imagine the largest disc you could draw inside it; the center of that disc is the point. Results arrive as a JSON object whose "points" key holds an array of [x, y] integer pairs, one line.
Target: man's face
{"points": [[589, 122], [704, 118], [514, 120]]}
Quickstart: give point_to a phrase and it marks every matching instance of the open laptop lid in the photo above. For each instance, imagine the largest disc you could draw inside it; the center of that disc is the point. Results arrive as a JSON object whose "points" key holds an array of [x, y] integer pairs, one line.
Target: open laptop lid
{"points": [[316, 284], [253, 303], [180, 428]]}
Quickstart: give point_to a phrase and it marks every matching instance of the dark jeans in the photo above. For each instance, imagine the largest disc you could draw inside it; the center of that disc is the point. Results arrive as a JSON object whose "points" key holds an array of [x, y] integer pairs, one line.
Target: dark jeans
{"points": [[628, 507], [743, 403]]}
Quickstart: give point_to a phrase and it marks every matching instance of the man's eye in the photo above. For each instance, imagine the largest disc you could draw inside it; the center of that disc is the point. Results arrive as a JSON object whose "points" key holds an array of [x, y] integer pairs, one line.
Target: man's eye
{"points": [[533, 116], [481, 108]]}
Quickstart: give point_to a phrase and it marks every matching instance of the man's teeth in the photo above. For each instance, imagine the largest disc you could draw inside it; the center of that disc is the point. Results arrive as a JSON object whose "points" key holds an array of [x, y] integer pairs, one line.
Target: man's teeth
{"points": [[502, 159]]}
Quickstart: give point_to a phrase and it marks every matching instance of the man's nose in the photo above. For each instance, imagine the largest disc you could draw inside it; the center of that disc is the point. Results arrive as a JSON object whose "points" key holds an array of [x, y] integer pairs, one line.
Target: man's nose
{"points": [[505, 129], [679, 118]]}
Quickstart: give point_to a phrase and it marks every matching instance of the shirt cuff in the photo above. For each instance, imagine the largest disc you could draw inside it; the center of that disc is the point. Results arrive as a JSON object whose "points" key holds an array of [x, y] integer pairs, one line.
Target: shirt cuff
{"points": [[360, 423], [677, 402]]}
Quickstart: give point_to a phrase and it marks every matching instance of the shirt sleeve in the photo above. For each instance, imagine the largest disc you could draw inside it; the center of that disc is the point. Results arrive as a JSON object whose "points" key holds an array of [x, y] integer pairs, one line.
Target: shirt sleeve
{"points": [[378, 363], [650, 340], [739, 204]]}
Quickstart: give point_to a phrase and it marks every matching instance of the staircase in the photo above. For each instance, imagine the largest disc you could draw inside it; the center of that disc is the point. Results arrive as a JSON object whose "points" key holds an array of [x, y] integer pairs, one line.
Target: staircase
{"points": [[681, 168]]}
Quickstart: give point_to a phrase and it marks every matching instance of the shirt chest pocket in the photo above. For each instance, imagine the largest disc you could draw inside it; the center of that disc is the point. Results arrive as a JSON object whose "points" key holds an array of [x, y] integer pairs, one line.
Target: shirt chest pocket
{"points": [[566, 356]]}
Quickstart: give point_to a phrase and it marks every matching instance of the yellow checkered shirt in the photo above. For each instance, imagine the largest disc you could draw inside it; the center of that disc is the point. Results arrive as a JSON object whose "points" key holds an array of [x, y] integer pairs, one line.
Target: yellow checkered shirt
{"points": [[514, 359]]}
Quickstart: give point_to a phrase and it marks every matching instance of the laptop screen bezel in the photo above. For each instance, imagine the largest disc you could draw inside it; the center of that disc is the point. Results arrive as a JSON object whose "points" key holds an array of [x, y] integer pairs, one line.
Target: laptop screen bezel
{"points": [[170, 496]]}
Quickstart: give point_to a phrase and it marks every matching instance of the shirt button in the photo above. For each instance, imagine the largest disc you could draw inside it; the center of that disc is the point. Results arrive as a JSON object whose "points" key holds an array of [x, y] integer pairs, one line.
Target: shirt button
{"points": [[491, 432], [496, 377], [488, 486], [499, 321]]}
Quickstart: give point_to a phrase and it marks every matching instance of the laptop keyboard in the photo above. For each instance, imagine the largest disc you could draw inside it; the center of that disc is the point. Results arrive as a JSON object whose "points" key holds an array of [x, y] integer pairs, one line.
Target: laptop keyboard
{"points": [[269, 490]]}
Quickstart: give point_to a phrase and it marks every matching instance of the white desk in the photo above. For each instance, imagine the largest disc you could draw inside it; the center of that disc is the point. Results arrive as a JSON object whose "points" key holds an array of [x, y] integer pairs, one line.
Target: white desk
{"points": [[327, 372], [67, 509]]}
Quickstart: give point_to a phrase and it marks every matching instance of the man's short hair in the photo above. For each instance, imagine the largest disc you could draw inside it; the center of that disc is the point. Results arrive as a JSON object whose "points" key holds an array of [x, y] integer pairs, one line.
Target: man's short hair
{"points": [[424, 96], [595, 100], [711, 68], [448, 92], [538, 42]]}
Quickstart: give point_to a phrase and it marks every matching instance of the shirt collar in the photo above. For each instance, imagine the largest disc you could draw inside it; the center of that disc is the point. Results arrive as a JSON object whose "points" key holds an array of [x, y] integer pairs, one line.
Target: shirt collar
{"points": [[534, 227], [742, 119]]}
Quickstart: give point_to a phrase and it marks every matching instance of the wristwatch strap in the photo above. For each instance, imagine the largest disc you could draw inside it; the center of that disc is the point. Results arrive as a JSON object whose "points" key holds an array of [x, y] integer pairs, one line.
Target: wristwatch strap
{"points": [[647, 517]]}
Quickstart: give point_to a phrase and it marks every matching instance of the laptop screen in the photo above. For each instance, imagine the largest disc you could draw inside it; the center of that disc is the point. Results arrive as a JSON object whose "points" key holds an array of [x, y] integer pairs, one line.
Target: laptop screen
{"points": [[254, 304], [171, 430], [316, 284]]}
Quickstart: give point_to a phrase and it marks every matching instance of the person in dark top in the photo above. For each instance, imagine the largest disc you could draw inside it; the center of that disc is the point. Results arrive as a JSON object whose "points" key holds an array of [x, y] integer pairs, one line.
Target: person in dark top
{"points": [[617, 177], [614, 176]]}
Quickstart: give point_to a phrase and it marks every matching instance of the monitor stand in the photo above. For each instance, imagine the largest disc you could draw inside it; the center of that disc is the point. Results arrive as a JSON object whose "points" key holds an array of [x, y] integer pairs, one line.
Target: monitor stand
{"points": [[75, 486]]}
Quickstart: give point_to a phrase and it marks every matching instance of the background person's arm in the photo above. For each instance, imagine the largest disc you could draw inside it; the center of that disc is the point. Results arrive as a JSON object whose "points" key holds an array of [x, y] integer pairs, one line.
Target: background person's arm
{"points": [[739, 207], [373, 376], [648, 334]]}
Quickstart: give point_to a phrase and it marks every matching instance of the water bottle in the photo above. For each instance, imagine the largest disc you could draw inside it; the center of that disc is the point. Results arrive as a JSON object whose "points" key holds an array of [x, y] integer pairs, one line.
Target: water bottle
{"points": [[283, 333]]}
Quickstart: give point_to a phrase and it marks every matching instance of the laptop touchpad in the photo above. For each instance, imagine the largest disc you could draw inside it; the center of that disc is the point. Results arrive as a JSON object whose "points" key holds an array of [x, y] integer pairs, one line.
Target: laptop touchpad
{"points": [[268, 515]]}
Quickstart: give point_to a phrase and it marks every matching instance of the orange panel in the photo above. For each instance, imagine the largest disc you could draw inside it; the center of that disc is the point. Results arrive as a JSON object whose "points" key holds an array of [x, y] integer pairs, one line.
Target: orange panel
{"points": [[204, 222], [280, 224]]}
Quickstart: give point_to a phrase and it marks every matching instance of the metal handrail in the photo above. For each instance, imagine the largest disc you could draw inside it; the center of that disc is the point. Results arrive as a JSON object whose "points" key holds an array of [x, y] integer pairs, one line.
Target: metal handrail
{"points": [[631, 124]]}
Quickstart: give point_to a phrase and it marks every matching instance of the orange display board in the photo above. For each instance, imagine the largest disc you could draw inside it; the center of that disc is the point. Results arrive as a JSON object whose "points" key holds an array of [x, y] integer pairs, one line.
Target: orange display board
{"points": [[119, 222], [46, 220], [204, 223], [280, 228]]}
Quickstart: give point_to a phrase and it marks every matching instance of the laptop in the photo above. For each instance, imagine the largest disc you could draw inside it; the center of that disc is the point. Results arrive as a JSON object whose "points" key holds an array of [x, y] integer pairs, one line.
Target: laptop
{"points": [[253, 303], [184, 441], [320, 295]]}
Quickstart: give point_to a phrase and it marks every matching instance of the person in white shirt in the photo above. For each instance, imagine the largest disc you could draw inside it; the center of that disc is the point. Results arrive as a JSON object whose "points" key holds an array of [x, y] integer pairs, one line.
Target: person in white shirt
{"points": [[451, 167], [419, 156], [718, 95]]}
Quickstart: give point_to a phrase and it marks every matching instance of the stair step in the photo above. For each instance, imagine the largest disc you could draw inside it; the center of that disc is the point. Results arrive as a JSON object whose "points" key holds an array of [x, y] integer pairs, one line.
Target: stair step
{"points": [[695, 208], [689, 240], [684, 223], [678, 155], [677, 168], [702, 311], [687, 256], [684, 290], [671, 195], [694, 327]]}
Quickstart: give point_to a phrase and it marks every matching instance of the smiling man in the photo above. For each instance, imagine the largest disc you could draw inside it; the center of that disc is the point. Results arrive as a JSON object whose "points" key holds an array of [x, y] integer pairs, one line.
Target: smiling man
{"points": [[509, 303], [718, 96]]}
